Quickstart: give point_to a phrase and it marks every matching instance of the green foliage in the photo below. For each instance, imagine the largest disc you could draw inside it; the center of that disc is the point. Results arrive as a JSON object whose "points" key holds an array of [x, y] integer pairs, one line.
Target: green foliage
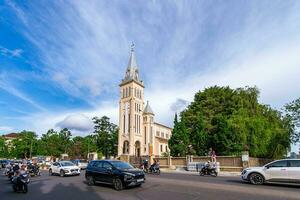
{"points": [[293, 117], [24, 145], [54, 143], [106, 136], [230, 121], [179, 141], [3, 148]]}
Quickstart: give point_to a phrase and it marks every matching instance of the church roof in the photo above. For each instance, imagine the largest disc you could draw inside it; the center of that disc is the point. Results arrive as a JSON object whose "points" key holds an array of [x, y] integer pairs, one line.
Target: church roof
{"points": [[132, 71], [148, 109]]}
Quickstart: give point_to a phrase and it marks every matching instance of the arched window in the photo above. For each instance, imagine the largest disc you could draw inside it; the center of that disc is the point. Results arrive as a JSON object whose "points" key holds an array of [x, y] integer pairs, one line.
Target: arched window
{"points": [[126, 147]]}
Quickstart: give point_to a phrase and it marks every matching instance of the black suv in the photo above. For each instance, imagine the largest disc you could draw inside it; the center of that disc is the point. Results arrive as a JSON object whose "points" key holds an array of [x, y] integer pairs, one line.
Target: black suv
{"points": [[114, 172]]}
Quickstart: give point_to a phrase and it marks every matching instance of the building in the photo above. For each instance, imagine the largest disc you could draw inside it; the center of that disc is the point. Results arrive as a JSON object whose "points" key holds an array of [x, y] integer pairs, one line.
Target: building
{"points": [[139, 134], [9, 139]]}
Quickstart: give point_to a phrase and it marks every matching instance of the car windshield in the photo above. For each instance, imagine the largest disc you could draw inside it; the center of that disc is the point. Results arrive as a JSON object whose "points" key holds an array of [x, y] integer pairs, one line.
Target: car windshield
{"points": [[66, 164], [121, 165]]}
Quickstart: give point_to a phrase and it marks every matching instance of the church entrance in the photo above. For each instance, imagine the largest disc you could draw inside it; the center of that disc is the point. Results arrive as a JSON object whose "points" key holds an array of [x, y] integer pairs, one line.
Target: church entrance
{"points": [[137, 148]]}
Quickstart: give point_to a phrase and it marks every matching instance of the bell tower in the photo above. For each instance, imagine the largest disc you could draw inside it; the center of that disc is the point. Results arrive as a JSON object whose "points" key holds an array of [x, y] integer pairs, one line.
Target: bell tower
{"points": [[131, 107]]}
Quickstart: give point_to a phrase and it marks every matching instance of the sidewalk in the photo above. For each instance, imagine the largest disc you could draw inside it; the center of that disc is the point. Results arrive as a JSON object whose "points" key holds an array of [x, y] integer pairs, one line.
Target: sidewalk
{"points": [[182, 171]]}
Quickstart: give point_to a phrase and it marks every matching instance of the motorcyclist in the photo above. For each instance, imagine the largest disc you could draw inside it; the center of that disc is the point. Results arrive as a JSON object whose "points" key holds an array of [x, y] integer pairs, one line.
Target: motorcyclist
{"points": [[20, 172], [33, 168], [145, 164], [7, 168], [154, 166], [16, 167]]}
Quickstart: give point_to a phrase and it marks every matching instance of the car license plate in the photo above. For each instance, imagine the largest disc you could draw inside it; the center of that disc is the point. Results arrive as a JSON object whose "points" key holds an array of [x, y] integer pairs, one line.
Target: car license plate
{"points": [[140, 180]]}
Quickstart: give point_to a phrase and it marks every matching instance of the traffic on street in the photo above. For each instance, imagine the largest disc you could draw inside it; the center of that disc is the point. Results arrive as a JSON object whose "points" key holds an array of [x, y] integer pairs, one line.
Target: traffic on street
{"points": [[164, 186]]}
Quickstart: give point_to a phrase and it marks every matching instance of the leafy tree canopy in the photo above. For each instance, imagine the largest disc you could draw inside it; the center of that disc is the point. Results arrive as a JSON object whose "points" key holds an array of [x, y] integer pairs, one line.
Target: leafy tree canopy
{"points": [[230, 121]]}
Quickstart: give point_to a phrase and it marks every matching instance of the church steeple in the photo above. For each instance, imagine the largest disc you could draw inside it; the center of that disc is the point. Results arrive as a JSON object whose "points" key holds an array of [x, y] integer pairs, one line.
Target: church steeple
{"points": [[148, 109], [132, 71]]}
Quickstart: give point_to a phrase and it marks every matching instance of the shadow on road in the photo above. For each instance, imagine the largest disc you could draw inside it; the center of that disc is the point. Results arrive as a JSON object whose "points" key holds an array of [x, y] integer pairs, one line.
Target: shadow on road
{"points": [[279, 185], [43, 188]]}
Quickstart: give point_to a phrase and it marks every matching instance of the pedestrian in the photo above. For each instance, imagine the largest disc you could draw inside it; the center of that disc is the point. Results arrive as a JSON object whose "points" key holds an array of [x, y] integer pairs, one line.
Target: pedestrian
{"points": [[213, 155]]}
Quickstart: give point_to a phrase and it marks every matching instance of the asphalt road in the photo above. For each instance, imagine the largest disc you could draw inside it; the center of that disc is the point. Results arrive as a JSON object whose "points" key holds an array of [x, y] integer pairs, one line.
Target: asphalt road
{"points": [[165, 186]]}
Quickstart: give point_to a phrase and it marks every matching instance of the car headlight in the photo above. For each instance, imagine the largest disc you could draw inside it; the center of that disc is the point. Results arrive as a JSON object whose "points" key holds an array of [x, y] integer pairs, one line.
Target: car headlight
{"points": [[128, 176], [245, 171]]}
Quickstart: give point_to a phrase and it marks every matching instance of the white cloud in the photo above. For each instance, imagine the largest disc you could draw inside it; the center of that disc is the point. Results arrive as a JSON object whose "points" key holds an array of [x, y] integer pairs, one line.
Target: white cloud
{"points": [[76, 122], [10, 53], [5, 129], [85, 52]]}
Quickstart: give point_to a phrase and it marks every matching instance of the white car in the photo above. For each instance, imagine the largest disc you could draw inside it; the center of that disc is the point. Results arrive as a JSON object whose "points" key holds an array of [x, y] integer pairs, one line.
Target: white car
{"points": [[82, 164], [64, 168], [283, 171]]}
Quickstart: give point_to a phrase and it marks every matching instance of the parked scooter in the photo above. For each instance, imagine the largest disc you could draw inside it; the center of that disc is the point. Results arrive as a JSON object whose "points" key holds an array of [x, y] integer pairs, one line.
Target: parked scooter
{"points": [[208, 169], [20, 183]]}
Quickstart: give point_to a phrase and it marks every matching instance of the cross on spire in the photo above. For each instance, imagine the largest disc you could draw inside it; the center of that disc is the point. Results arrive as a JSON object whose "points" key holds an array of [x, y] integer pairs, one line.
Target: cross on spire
{"points": [[132, 47]]}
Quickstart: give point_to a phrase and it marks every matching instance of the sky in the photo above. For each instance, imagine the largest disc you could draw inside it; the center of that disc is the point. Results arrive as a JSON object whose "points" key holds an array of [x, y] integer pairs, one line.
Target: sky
{"points": [[61, 61]]}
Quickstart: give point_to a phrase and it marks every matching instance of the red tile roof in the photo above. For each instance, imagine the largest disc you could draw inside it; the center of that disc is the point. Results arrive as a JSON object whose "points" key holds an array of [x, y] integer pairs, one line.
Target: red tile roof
{"points": [[11, 135]]}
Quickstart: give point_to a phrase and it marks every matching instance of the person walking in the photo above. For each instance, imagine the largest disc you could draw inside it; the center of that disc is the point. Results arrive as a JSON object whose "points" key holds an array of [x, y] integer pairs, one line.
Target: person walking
{"points": [[213, 155]]}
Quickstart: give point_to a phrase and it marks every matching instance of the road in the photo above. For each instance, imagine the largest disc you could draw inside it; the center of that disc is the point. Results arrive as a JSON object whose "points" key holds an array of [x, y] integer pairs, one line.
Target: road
{"points": [[165, 186]]}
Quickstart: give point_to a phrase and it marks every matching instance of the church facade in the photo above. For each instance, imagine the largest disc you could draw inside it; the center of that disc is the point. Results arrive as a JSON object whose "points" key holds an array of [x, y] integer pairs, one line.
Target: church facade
{"points": [[139, 134]]}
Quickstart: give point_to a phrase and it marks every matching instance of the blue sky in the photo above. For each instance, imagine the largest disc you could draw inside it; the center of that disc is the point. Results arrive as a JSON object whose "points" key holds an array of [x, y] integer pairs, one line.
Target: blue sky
{"points": [[61, 61]]}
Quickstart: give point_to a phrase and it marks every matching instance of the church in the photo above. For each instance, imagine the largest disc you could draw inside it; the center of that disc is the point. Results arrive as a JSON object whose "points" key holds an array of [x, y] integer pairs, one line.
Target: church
{"points": [[139, 134]]}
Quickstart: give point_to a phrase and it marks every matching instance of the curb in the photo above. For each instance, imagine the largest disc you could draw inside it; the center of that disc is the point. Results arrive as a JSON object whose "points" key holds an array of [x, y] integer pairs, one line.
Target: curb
{"points": [[196, 173]]}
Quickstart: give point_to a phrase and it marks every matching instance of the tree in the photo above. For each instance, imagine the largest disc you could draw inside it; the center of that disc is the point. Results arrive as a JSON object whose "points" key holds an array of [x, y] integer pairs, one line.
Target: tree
{"points": [[65, 139], [52, 141], [230, 121], [293, 117], [24, 146], [178, 142], [3, 148], [106, 136]]}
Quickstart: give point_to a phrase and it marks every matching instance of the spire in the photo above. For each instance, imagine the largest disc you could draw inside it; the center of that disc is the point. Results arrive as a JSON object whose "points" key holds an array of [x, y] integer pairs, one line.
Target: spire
{"points": [[132, 72], [132, 61], [148, 109]]}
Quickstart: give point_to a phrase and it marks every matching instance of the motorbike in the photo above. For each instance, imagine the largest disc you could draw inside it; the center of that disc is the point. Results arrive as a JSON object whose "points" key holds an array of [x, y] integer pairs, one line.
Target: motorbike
{"points": [[154, 170], [144, 167], [34, 171], [20, 183], [208, 170], [10, 173]]}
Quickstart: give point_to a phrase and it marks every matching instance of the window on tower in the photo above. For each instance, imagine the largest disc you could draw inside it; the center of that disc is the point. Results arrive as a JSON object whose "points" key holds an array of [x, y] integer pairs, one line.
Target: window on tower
{"points": [[157, 133]]}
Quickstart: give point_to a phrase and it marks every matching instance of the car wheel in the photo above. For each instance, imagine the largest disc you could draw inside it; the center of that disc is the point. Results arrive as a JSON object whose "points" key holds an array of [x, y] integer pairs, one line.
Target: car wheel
{"points": [[118, 185], [62, 173], [90, 180], [214, 173], [50, 172], [256, 179]]}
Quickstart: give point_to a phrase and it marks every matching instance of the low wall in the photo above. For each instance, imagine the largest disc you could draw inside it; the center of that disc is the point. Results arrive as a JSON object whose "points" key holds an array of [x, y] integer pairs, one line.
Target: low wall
{"points": [[258, 162], [227, 163]]}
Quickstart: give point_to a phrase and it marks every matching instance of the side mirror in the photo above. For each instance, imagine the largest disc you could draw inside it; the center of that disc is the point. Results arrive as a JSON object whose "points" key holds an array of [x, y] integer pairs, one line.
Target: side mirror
{"points": [[268, 167]]}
